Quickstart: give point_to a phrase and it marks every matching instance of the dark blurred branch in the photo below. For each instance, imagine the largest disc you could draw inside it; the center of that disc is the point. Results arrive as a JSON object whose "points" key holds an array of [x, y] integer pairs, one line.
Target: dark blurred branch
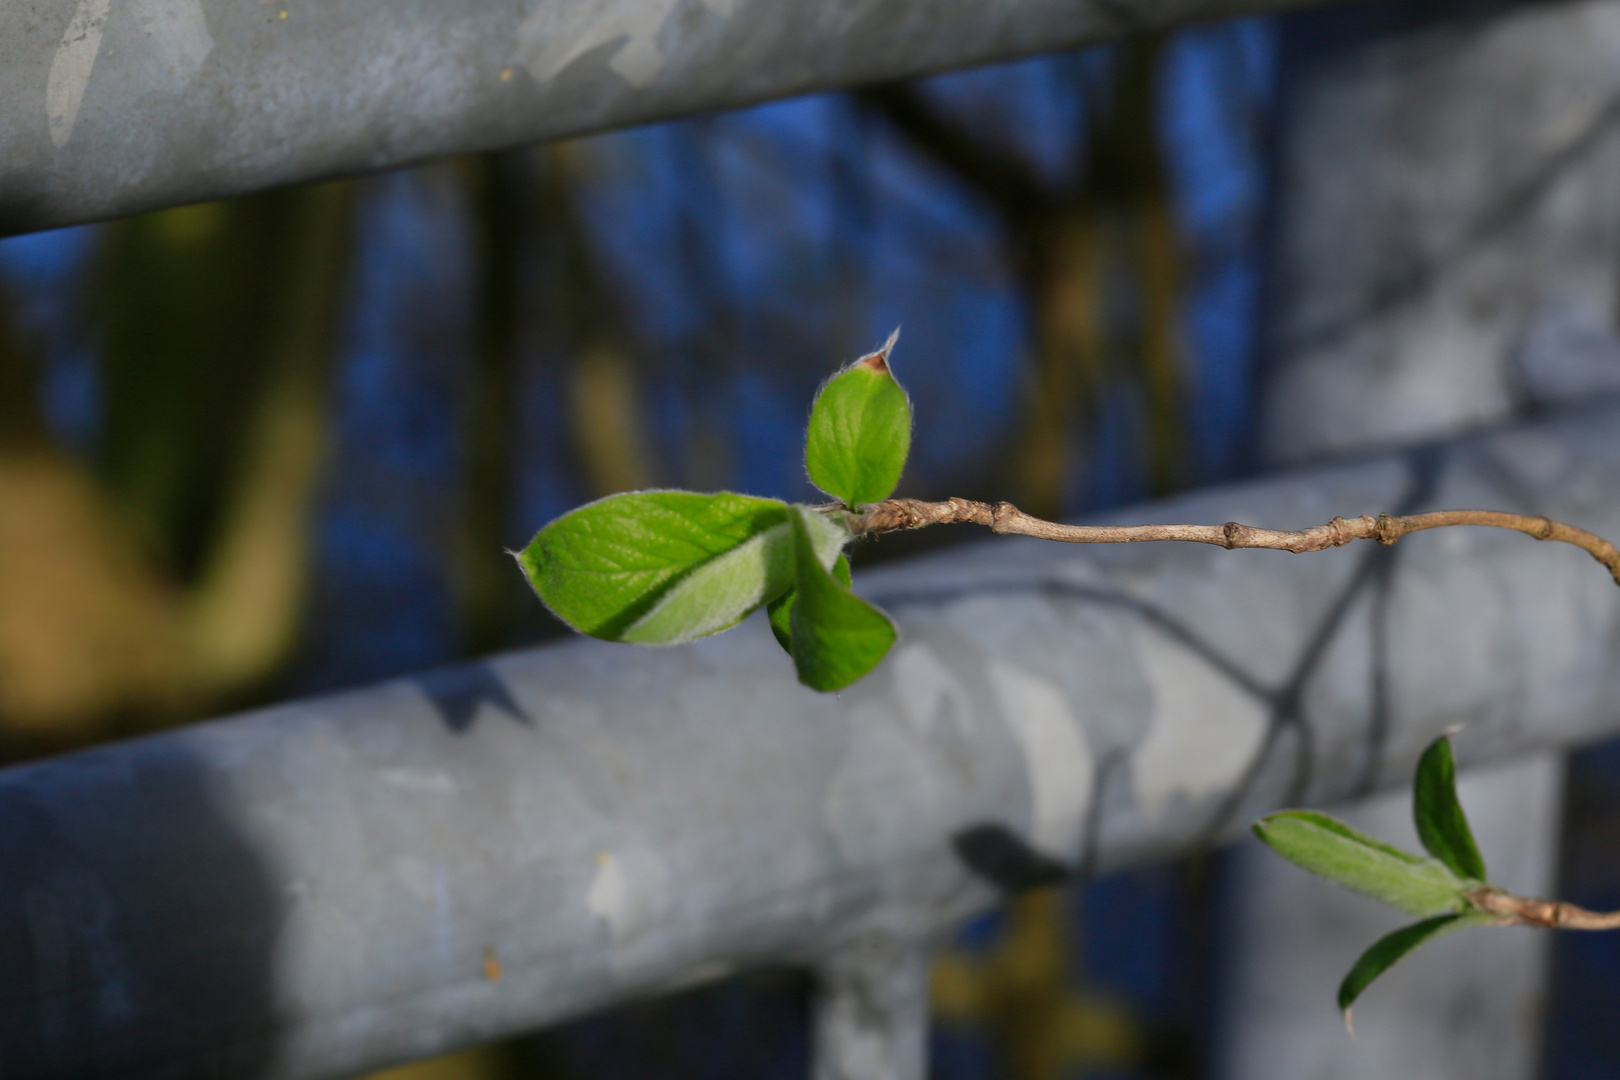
{"points": [[501, 190], [1011, 188], [1100, 264], [22, 423]]}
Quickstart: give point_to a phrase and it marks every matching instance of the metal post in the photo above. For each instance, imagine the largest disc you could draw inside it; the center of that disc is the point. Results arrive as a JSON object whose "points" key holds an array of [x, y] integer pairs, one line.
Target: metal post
{"points": [[871, 1010]]}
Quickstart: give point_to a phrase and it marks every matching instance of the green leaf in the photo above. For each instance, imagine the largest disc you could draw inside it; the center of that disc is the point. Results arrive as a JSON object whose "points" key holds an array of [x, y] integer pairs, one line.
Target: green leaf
{"points": [[836, 637], [719, 593], [1391, 947], [723, 591], [659, 567], [1441, 823], [1321, 845], [860, 431], [780, 610]]}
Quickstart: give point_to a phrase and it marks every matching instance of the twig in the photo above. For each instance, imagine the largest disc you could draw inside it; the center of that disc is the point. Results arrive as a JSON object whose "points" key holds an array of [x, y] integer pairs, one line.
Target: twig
{"points": [[1514, 910], [895, 514]]}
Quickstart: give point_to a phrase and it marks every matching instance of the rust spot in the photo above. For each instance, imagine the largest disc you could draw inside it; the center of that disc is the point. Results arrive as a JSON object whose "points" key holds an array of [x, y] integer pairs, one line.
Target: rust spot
{"points": [[878, 361], [492, 966]]}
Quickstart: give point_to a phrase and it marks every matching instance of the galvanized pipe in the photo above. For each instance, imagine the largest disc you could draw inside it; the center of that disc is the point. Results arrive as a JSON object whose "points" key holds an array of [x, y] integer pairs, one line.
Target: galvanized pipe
{"points": [[333, 885], [109, 109], [869, 1013]]}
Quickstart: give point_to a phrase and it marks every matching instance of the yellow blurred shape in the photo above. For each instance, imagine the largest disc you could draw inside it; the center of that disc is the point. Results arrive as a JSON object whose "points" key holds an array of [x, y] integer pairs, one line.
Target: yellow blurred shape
{"points": [[85, 629], [1020, 994], [608, 423], [482, 1063]]}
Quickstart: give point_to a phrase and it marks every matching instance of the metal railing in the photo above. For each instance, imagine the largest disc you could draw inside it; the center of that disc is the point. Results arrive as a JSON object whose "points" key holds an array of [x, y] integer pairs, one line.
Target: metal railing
{"points": [[109, 109], [333, 885]]}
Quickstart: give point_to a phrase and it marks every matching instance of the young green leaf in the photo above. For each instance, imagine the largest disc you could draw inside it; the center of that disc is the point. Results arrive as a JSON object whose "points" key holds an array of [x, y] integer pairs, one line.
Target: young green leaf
{"points": [[719, 593], [664, 566], [835, 636], [1331, 849], [1441, 823], [780, 610], [1391, 947], [860, 431], [723, 591]]}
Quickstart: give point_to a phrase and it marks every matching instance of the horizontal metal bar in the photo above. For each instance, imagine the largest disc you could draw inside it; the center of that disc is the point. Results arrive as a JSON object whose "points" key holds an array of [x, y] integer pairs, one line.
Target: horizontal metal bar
{"points": [[112, 108], [332, 885]]}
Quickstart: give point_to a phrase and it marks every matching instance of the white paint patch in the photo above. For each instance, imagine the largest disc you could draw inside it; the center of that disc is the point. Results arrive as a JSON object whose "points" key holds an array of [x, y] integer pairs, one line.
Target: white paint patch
{"points": [[71, 66], [559, 32], [627, 892], [1205, 729], [926, 687], [422, 780], [1056, 756], [176, 30], [178, 33], [607, 896]]}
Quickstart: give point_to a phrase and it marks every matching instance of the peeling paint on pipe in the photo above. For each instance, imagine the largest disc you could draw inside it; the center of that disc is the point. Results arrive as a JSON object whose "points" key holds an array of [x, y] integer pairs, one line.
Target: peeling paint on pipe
{"points": [[334, 885]]}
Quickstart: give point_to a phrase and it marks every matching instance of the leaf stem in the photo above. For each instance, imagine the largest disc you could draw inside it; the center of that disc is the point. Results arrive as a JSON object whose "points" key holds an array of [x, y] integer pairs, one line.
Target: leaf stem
{"points": [[1003, 517], [1512, 910]]}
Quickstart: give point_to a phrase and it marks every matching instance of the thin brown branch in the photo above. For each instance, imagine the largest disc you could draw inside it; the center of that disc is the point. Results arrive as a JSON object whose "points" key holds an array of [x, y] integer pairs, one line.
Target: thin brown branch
{"points": [[895, 514], [1512, 910]]}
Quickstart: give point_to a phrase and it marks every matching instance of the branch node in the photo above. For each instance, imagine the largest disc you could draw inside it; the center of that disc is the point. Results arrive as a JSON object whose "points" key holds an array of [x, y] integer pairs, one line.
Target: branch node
{"points": [[1511, 910]]}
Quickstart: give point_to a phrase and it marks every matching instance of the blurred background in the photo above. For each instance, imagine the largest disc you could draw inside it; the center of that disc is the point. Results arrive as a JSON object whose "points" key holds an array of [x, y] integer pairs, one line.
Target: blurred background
{"points": [[279, 445]]}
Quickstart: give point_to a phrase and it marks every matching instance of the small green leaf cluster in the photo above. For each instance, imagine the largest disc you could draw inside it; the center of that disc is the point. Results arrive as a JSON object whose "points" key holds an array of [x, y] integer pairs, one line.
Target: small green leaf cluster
{"points": [[663, 567], [1436, 888]]}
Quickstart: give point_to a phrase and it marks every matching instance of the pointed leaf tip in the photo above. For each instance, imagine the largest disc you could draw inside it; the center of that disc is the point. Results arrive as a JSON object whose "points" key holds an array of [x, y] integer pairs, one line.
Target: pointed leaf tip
{"points": [[1441, 823], [879, 360], [1384, 952]]}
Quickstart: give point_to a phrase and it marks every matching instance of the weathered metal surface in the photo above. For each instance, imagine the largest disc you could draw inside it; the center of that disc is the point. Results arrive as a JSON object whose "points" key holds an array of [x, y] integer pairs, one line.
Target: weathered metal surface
{"points": [[107, 109], [1447, 253], [869, 1015], [1449, 217], [332, 885]]}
